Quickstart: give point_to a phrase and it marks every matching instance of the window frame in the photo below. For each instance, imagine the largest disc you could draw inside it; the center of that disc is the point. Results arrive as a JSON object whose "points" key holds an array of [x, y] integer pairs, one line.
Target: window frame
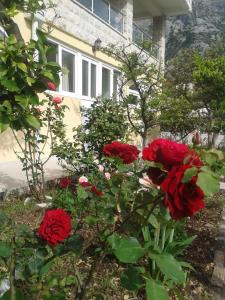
{"points": [[60, 48], [80, 71]]}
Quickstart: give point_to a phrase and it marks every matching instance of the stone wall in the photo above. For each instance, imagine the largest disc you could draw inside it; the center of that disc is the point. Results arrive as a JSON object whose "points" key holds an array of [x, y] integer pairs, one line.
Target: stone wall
{"points": [[74, 19]]}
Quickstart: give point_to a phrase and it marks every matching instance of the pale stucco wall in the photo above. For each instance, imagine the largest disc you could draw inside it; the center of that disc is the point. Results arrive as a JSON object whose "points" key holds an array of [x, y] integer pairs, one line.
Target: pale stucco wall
{"points": [[8, 144]]}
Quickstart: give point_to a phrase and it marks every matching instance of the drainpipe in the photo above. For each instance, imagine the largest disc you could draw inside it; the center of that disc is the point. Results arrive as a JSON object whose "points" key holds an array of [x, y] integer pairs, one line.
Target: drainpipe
{"points": [[34, 28]]}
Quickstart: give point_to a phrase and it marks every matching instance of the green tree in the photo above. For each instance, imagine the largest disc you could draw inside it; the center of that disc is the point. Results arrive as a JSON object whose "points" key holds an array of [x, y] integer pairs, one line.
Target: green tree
{"points": [[143, 75]]}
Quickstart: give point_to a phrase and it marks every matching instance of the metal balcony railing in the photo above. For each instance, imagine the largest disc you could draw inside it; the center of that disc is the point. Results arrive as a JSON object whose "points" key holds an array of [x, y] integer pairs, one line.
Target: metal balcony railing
{"points": [[140, 36], [105, 11]]}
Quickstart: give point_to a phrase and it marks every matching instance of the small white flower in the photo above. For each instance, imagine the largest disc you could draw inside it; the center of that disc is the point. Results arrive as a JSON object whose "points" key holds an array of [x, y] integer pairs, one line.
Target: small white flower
{"points": [[130, 174], [83, 179], [101, 168], [43, 205], [146, 181], [107, 176]]}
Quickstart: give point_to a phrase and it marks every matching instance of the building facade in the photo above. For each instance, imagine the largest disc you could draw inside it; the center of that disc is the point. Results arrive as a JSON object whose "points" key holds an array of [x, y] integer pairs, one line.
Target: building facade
{"points": [[77, 28]]}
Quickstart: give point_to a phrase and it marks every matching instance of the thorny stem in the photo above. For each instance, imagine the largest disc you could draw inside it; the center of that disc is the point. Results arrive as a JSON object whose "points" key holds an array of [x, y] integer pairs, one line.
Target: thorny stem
{"points": [[12, 272]]}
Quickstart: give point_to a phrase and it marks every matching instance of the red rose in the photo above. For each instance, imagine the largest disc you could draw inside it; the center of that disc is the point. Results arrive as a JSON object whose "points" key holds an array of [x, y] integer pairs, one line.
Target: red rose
{"points": [[156, 175], [57, 100], [51, 86], [182, 199], [193, 159], [93, 188], [55, 226], [65, 182], [166, 152], [128, 153]]}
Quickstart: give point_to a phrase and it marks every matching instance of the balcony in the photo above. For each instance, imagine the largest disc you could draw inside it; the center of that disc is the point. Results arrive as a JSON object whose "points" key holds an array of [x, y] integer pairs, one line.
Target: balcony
{"points": [[145, 8], [106, 12], [140, 36]]}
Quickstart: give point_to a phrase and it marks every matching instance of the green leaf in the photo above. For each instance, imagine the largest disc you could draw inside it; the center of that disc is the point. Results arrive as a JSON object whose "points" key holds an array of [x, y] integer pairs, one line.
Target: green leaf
{"points": [[32, 121], [48, 75], [155, 291], [114, 240], [81, 193], [22, 100], [189, 174], [210, 158], [153, 221], [169, 266], [12, 39], [74, 243], [131, 279], [129, 250], [41, 36], [5, 249], [44, 270], [4, 122], [10, 85], [33, 99], [22, 67], [208, 183], [35, 264], [30, 81], [3, 219], [24, 230], [19, 295]]}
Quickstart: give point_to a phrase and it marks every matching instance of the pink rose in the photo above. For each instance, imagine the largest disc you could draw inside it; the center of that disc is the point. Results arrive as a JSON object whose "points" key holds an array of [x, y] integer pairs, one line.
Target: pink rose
{"points": [[57, 100]]}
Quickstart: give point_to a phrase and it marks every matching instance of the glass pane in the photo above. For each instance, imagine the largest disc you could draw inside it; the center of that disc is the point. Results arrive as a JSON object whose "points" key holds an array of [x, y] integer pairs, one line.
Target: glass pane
{"points": [[85, 78], [116, 76], [116, 19], [93, 81], [68, 78], [52, 53], [105, 82], [101, 9], [86, 3]]}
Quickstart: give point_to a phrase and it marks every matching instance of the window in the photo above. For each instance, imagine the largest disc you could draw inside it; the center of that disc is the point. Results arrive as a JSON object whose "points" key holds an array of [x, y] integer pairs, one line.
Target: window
{"points": [[93, 80], [106, 82], [116, 77], [52, 53], [101, 9], [89, 78], [67, 60], [116, 19], [86, 3], [106, 11], [68, 74], [85, 78]]}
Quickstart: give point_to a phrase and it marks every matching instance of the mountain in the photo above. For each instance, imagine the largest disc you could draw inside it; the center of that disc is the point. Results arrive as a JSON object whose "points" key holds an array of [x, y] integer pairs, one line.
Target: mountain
{"points": [[199, 29]]}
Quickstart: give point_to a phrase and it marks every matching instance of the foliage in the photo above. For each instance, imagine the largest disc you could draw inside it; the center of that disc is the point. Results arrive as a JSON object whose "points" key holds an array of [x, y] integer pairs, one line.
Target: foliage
{"points": [[114, 212], [36, 147], [103, 122], [145, 77], [193, 95], [20, 85]]}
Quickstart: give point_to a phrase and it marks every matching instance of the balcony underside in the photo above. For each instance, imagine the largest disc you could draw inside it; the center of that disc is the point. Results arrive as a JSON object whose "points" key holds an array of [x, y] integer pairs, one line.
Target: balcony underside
{"points": [[146, 8]]}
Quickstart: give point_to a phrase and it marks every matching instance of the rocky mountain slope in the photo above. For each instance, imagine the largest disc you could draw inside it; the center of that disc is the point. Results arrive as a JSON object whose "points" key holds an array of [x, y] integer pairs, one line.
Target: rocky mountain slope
{"points": [[200, 29]]}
